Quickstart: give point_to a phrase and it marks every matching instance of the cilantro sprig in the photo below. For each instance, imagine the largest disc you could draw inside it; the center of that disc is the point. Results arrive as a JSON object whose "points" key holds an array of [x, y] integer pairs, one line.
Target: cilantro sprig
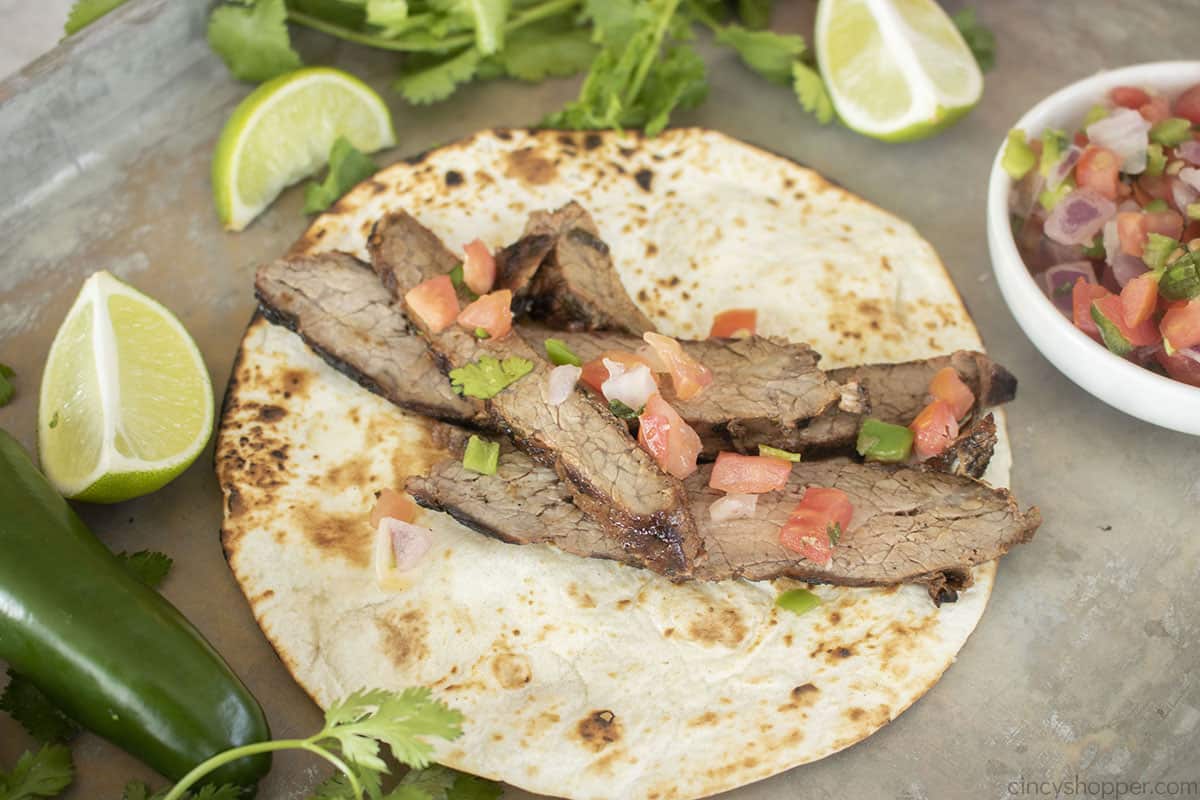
{"points": [[355, 731], [42, 774]]}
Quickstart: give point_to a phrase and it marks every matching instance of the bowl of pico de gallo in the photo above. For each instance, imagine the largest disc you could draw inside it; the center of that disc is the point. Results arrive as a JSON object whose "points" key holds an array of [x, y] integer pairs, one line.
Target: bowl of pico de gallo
{"points": [[1094, 233]]}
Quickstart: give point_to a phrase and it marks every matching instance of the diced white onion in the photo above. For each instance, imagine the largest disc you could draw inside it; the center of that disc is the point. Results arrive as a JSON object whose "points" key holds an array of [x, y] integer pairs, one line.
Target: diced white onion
{"points": [[1126, 133], [399, 546], [632, 387], [733, 506], [1190, 176], [1112, 241], [651, 357], [561, 383]]}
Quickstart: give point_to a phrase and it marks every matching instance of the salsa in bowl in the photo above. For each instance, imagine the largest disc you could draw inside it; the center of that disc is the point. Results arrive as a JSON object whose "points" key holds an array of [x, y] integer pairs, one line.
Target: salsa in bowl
{"points": [[1094, 231]]}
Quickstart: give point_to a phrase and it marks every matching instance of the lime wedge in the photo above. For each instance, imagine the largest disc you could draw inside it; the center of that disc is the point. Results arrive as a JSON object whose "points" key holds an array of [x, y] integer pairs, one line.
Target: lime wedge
{"points": [[126, 403], [896, 69], [283, 131]]}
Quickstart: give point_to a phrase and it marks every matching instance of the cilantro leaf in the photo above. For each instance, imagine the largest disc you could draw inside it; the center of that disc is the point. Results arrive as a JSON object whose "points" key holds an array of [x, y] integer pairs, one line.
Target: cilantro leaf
{"points": [[489, 376], [629, 84], [147, 566], [347, 167], [754, 14], [555, 48], [431, 82], [363, 720], [486, 18], [85, 12], [767, 53], [433, 782], [978, 37], [387, 13], [35, 712], [472, 787], [678, 82], [810, 89], [42, 774], [136, 790], [253, 41], [338, 787], [6, 388]]}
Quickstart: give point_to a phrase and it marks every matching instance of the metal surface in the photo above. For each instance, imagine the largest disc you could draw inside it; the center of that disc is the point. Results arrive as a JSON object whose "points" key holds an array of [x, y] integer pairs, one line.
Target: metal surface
{"points": [[1085, 667]]}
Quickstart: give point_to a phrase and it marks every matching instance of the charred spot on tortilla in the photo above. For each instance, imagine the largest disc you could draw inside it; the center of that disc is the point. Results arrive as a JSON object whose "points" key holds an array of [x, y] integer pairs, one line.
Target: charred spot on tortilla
{"points": [[511, 670], [599, 729], [530, 166], [404, 636], [454, 177], [591, 141], [271, 413], [335, 533]]}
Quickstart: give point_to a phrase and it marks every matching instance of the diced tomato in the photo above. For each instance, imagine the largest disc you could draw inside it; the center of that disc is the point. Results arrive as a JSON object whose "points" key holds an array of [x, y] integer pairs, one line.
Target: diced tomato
{"points": [[667, 438], [934, 429], [479, 268], [947, 385], [1148, 188], [1156, 109], [734, 322], [595, 373], [1100, 170], [1180, 367], [1132, 229], [1134, 226], [807, 529], [1129, 97], [688, 376], [740, 474], [1187, 105], [492, 312], [396, 505], [1181, 325], [1080, 139], [1192, 231], [1082, 296], [1113, 309], [1139, 298], [435, 302]]}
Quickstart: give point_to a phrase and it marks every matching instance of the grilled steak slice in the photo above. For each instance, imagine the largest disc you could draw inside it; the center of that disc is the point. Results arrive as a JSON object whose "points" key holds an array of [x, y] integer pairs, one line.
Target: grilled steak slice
{"points": [[576, 286], [971, 452], [763, 391], [339, 307], [610, 477], [910, 525], [898, 392]]}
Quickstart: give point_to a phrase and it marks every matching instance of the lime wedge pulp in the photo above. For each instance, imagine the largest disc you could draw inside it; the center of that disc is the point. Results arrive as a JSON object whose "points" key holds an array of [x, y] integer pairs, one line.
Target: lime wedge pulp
{"points": [[896, 69], [126, 403], [284, 130]]}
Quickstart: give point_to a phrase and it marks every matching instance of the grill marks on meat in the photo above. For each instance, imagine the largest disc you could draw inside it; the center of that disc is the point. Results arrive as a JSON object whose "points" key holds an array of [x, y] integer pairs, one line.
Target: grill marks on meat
{"points": [[609, 476], [576, 286], [971, 452], [910, 525], [764, 390], [339, 307]]}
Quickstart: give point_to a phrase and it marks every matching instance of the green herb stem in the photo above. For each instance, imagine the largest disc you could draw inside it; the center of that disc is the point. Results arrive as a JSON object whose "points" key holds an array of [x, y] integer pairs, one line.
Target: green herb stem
{"points": [[651, 54], [527, 17], [220, 759]]}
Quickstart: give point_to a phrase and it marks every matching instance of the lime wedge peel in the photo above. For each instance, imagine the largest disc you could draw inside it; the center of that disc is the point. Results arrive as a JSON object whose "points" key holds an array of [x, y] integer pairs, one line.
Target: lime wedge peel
{"points": [[283, 131], [897, 70], [126, 403]]}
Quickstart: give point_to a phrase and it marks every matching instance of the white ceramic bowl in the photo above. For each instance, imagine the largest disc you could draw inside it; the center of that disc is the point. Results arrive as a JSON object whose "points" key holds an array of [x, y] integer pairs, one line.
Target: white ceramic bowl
{"points": [[1120, 383]]}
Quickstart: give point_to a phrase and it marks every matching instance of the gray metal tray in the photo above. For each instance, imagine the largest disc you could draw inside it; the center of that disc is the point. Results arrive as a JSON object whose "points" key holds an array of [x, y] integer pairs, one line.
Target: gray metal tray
{"points": [[1085, 667]]}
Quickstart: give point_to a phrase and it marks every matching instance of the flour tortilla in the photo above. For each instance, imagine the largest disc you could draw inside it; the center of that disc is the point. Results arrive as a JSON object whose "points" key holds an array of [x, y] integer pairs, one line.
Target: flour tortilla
{"points": [[583, 678]]}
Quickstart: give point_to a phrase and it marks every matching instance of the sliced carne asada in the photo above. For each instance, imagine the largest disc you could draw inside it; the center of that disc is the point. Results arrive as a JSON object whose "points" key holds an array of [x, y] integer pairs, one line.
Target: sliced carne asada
{"points": [[610, 477], [910, 525], [339, 307], [898, 392], [576, 285], [763, 389], [971, 452]]}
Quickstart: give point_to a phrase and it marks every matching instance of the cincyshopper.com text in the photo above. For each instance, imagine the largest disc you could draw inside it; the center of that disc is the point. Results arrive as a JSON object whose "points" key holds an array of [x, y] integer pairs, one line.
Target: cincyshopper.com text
{"points": [[1105, 789]]}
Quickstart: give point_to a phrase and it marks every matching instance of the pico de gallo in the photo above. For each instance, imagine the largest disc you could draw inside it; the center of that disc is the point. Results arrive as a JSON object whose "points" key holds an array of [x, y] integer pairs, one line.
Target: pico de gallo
{"points": [[1107, 219]]}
